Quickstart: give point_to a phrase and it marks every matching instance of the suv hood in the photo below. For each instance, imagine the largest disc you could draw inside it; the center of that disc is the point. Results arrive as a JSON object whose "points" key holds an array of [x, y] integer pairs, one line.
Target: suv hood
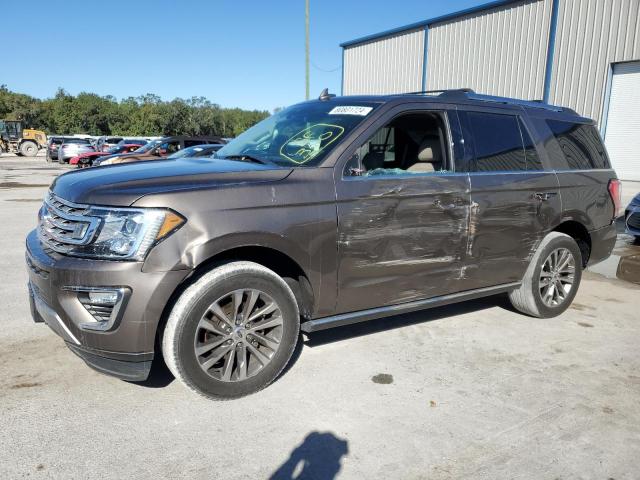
{"points": [[121, 185]]}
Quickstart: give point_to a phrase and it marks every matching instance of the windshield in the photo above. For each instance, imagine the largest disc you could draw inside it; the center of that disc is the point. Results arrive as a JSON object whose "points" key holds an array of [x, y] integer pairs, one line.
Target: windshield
{"points": [[188, 152], [149, 146], [117, 149], [301, 135]]}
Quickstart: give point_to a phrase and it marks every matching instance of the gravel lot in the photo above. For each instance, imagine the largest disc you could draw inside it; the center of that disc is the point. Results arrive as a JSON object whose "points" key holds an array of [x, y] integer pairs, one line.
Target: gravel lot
{"points": [[467, 391]]}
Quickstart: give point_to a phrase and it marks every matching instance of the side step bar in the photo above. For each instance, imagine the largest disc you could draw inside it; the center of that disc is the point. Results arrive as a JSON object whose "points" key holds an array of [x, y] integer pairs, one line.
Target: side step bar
{"points": [[380, 312]]}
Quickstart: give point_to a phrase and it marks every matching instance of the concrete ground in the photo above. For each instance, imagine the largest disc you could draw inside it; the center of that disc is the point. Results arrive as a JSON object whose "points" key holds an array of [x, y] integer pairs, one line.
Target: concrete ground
{"points": [[473, 390]]}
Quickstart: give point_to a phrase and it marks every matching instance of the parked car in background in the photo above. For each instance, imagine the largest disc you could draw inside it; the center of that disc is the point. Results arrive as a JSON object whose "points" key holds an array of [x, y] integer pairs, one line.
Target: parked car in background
{"points": [[53, 144], [197, 151], [72, 147], [158, 149], [103, 144], [325, 214], [86, 159], [133, 141], [632, 217]]}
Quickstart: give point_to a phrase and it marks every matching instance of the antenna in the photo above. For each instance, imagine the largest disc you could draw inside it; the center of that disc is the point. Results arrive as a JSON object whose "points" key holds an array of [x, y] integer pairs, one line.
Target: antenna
{"points": [[325, 95]]}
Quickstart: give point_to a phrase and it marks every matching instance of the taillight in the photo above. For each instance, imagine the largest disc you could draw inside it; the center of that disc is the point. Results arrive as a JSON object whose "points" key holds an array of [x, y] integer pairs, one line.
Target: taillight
{"points": [[615, 192]]}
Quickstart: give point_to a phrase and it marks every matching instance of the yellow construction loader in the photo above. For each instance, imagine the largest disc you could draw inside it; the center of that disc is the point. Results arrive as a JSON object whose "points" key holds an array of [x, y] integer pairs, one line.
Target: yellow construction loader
{"points": [[14, 138]]}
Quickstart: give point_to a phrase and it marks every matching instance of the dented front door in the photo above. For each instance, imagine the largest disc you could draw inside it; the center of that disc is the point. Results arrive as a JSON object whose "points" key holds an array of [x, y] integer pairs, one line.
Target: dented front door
{"points": [[400, 238]]}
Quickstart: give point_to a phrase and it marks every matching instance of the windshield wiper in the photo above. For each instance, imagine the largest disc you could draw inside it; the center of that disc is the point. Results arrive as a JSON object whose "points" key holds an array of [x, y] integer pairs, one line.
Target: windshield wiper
{"points": [[247, 158]]}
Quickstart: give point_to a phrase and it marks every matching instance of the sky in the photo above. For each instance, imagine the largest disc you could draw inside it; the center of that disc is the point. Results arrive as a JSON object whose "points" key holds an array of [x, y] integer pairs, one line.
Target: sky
{"points": [[237, 53]]}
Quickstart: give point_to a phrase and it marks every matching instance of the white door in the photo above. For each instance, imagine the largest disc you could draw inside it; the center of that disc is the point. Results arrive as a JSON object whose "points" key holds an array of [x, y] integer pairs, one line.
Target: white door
{"points": [[622, 136]]}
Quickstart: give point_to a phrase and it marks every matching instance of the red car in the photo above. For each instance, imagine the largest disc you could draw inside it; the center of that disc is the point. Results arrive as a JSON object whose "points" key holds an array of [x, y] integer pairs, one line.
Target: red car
{"points": [[86, 159]]}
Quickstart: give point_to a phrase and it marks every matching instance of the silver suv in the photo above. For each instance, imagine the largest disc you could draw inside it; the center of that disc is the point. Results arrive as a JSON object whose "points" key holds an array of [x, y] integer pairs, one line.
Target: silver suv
{"points": [[72, 147]]}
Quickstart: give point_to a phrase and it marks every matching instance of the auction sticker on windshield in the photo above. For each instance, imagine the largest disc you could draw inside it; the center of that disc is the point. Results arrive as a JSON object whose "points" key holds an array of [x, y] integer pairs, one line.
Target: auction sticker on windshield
{"points": [[308, 143], [350, 110]]}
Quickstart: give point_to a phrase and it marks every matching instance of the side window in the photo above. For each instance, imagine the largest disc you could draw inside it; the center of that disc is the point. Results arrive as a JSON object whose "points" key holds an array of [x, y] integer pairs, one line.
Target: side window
{"points": [[498, 142], [193, 143], [410, 144], [580, 145], [530, 153]]}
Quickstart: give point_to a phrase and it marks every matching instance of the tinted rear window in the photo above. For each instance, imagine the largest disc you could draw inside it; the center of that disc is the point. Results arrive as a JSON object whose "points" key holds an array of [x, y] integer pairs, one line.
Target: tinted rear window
{"points": [[580, 144], [502, 143], [81, 141]]}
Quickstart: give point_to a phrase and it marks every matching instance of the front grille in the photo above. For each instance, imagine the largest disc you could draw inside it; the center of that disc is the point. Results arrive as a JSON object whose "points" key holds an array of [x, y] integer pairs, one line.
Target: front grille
{"points": [[64, 225], [633, 221]]}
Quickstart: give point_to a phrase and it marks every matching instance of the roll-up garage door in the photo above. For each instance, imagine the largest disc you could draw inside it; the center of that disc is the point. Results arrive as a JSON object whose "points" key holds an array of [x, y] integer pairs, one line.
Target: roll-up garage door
{"points": [[622, 136]]}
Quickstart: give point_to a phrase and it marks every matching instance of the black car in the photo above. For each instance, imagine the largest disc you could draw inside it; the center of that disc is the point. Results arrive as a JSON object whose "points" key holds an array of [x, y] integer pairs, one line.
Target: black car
{"points": [[327, 213], [53, 144]]}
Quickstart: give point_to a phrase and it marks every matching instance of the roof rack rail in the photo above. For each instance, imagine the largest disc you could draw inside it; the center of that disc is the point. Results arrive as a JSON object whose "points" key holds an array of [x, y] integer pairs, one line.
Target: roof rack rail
{"points": [[515, 101], [470, 94], [444, 92]]}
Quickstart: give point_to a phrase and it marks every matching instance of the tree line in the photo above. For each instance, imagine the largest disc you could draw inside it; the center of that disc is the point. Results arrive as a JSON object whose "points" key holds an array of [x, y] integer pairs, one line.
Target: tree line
{"points": [[146, 115]]}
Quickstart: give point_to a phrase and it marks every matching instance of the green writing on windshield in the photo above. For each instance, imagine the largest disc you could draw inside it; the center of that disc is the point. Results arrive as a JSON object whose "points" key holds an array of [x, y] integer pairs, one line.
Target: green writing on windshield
{"points": [[308, 143]]}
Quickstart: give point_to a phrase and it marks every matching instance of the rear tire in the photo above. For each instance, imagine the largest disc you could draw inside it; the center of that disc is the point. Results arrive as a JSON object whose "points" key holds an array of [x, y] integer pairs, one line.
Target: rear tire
{"points": [[218, 343], [547, 290], [29, 148]]}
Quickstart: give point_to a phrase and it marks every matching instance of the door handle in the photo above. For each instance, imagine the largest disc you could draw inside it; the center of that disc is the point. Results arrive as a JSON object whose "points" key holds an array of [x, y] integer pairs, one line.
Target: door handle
{"points": [[543, 197]]}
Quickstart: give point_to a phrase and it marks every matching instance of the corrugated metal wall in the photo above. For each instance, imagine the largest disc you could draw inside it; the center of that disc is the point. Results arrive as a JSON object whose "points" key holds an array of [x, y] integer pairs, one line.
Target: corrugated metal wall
{"points": [[388, 65], [592, 34], [501, 51]]}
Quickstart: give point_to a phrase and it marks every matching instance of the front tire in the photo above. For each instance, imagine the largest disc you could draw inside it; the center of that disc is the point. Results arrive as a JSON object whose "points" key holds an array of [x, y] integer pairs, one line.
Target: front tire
{"points": [[232, 332], [29, 148], [552, 278]]}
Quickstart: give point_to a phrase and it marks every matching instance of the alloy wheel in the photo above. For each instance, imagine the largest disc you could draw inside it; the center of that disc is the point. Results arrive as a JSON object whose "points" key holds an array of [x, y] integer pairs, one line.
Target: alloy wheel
{"points": [[557, 277], [238, 335]]}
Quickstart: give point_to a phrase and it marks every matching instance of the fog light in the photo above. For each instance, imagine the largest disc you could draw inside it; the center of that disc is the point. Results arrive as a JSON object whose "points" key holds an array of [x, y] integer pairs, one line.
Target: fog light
{"points": [[105, 305], [103, 298]]}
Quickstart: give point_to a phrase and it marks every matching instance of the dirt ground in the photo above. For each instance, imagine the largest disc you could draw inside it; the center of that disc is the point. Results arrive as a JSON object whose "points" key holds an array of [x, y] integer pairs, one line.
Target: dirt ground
{"points": [[472, 390]]}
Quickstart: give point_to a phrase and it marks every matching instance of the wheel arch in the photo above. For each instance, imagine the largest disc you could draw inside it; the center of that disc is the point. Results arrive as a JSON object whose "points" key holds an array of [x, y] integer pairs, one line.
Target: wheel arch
{"points": [[580, 234], [274, 259]]}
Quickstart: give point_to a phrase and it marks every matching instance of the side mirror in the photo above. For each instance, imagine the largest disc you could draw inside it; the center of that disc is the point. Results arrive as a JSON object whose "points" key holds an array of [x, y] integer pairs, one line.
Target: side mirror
{"points": [[352, 168]]}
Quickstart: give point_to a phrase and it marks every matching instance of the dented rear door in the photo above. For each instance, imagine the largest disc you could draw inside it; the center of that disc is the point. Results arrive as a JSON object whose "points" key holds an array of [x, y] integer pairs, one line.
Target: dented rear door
{"points": [[515, 197]]}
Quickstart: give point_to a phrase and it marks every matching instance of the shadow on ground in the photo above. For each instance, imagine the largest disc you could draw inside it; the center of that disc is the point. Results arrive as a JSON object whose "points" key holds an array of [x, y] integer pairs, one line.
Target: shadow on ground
{"points": [[317, 457]]}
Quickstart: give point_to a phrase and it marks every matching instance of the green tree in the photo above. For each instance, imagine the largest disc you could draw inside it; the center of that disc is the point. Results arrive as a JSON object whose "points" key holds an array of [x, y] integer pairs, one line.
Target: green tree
{"points": [[145, 115]]}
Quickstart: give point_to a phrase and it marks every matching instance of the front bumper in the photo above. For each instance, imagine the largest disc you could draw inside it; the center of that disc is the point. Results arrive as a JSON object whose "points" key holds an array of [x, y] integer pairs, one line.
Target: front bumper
{"points": [[126, 350]]}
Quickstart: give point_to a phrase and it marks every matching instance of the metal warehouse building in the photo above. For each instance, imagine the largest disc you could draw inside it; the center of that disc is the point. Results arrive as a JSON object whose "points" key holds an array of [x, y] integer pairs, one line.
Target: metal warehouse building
{"points": [[583, 54]]}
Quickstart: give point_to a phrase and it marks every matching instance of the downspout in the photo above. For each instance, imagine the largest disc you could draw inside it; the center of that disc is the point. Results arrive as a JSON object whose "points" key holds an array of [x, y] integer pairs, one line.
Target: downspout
{"points": [[342, 78], [425, 56], [550, 50]]}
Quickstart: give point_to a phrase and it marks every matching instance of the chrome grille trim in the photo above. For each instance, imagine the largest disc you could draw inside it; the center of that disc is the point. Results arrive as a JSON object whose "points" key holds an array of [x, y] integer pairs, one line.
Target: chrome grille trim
{"points": [[64, 224]]}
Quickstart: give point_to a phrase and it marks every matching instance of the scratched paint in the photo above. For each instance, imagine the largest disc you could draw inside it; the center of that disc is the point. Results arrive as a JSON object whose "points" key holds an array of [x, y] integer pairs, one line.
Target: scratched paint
{"points": [[401, 239]]}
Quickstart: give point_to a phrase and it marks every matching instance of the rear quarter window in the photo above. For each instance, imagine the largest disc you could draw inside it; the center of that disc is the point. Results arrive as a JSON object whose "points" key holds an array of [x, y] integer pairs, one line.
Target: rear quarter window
{"points": [[579, 145]]}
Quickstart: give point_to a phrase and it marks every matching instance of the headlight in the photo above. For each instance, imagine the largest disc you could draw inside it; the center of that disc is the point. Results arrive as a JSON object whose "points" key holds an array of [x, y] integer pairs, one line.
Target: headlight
{"points": [[126, 233]]}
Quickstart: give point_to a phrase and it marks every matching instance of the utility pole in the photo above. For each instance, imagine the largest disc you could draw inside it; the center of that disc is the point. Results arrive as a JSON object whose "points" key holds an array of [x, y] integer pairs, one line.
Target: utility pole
{"points": [[306, 63]]}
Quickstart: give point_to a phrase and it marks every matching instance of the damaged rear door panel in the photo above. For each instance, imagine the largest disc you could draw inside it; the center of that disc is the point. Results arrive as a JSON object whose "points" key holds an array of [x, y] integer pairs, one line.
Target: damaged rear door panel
{"points": [[515, 197]]}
